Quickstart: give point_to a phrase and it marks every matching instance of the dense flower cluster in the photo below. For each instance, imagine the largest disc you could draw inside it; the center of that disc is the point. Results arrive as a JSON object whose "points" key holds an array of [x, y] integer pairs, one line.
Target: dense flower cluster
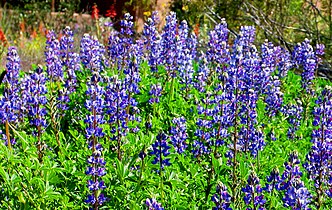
{"points": [[53, 57], [96, 169], [186, 53], [168, 45], [273, 181], [152, 204], [155, 93], [70, 59], [222, 199], [296, 195], [10, 101], [305, 56], [254, 197], [37, 100], [293, 112], [152, 41], [160, 150], [179, 134], [222, 88], [11, 107], [319, 158]]}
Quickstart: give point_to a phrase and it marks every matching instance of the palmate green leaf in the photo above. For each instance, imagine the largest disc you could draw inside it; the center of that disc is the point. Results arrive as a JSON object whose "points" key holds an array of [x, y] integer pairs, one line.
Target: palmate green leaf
{"points": [[50, 194], [5, 176]]}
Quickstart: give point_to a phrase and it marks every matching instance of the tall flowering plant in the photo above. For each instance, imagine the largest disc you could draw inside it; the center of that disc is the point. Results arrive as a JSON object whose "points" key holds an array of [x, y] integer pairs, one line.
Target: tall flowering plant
{"points": [[10, 101], [53, 57], [319, 158], [151, 40], [296, 194], [96, 169], [36, 102]]}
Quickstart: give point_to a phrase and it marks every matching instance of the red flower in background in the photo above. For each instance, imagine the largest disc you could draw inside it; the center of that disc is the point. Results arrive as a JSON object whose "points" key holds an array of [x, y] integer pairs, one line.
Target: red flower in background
{"points": [[111, 12], [3, 38], [95, 12], [196, 29]]}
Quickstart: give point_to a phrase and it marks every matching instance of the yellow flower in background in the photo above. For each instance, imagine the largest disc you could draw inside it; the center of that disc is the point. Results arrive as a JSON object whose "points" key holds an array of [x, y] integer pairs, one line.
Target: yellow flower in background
{"points": [[185, 8], [148, 13]]}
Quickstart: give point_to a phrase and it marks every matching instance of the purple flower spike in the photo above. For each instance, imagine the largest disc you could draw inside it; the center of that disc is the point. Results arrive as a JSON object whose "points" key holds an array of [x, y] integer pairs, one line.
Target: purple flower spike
{"points": [[254, 197], [160, 150], [155, 93], [296, 194], [179, 134], [319, 158], [96, 169], [222, 199], [152, 204]]}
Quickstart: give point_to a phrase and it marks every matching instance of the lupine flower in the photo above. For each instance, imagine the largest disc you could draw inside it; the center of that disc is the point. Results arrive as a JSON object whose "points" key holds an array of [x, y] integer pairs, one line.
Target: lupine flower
{"points": [[241, 88], [319, 158], [296, 194], [249, 137], [152, 204], [11, 103], [85, 50], [155, 93], [66, 45], [168, 44], [204, 132], [11, 106], [70, 59], [120, 44], [152, 42], [3, 136], [222, 199], [270, 84], [304, 55], [114, 49], [202, 75], [131, 81], [72, 68], [272, 136], [186, 53], [254, 197], [117, 101], [53, 57], [37, 100], [218, 49], [199, 149], [273, 181], [293, 112], [284, 62], [160, 150], [179, 134], [115, 105], [274, 97], [96, 169], [320, 51]]}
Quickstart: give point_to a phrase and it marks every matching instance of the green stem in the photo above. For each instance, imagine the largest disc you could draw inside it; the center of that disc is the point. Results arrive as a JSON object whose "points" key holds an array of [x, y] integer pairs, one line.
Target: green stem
{"points": [[8, 135], [171, 90]]}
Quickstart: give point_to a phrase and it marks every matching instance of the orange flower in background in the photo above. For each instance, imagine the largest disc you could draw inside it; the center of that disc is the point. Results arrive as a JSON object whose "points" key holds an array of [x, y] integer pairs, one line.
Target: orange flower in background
{"points": [[22, 26], [196, 29], [111, 12], [3, 38], [95, 12], [41, 29], [34, 34]]}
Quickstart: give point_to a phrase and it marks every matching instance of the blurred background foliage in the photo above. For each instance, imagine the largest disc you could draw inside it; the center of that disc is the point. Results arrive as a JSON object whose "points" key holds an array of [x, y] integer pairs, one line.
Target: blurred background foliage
{"points": [[283, 22]]}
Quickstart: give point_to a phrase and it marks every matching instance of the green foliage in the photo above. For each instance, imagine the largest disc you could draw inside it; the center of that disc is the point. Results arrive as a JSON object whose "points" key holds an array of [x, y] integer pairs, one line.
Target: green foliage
{"points": [[59, 181]]}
